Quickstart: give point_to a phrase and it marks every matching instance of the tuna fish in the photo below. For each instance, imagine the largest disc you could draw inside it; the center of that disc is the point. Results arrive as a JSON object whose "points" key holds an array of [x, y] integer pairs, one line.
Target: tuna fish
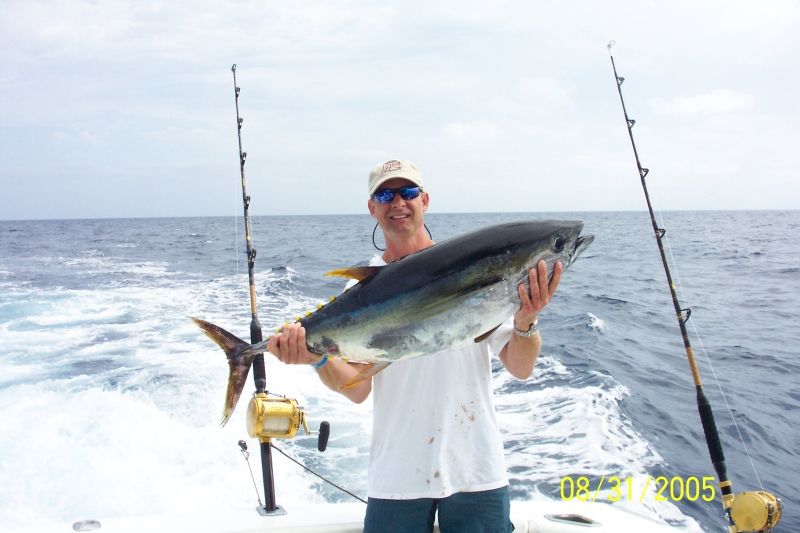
{"points": [[456, 291]]}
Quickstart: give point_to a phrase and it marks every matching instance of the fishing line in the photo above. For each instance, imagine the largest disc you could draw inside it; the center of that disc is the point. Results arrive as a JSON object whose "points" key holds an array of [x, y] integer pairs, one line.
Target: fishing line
{"points": [[318, 475], [705, 353], [727, 405], [236, 239], [246, 454]]}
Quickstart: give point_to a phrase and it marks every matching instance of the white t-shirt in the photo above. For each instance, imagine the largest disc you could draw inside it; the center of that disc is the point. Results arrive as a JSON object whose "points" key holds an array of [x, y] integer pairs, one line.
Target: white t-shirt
{"points": [[434, 429]]}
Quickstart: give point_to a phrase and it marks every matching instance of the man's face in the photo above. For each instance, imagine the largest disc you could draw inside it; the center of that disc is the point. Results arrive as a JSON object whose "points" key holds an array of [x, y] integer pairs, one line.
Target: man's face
{"points": [[399, 218]]}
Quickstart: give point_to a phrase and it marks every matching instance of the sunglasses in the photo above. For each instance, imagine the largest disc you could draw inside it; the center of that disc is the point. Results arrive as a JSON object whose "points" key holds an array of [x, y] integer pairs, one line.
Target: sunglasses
{"points": [[386, 196]]}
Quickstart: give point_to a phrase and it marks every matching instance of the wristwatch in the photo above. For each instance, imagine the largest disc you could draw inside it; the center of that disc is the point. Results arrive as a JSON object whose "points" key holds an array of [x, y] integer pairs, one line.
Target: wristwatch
{"points": [[531, 330]]}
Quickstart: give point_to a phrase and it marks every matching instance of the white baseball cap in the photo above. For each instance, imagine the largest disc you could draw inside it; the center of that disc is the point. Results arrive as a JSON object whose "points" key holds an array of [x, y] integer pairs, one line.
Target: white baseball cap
{"points": [[394, 168]]}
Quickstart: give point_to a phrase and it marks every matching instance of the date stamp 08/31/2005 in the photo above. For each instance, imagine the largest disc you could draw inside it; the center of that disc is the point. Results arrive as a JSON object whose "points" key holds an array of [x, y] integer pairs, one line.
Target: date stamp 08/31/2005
{"points": [[614, 488]]}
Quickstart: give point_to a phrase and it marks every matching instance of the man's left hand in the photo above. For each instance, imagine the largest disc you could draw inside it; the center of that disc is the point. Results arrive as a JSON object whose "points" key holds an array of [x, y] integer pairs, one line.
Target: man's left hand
{"points": [[533, 300]]}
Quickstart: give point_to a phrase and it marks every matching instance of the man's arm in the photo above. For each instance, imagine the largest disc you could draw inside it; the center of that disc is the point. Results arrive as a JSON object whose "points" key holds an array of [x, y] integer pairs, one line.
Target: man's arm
{"points": [[520, 353], [290, 347]]}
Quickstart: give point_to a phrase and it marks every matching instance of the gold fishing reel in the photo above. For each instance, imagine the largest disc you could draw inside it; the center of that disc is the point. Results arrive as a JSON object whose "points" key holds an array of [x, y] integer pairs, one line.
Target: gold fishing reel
{"points": [[754, 511], [270, 417]]}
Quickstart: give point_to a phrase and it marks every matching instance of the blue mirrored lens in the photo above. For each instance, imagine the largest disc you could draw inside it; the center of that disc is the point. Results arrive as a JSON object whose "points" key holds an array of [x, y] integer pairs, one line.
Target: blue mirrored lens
{"points": [[409, 193], [385, 196]]}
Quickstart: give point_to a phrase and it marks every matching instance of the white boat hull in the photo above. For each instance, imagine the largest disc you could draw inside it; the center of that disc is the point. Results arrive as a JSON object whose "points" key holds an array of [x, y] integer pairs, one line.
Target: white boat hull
{"points": [[527, 517]]}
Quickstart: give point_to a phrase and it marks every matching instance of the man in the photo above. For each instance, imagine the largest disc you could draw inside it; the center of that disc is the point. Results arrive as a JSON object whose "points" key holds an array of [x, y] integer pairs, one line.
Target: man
{"points": [[435, 441]]}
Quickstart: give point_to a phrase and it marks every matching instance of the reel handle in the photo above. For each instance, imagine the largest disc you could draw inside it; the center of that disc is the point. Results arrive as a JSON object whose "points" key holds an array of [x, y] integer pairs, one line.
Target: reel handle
{"points": [[324, 433]]}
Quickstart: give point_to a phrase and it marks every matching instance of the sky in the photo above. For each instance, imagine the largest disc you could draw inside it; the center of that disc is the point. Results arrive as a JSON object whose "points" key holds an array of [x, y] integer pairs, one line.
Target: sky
{"points": [[126, 108]]}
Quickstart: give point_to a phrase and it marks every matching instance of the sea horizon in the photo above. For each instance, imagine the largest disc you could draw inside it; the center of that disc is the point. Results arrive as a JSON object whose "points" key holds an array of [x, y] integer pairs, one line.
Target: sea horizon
{"points": [[429, 213]]}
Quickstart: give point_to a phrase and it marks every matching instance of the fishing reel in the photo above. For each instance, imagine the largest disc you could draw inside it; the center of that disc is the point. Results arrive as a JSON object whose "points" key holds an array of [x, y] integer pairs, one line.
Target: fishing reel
{"points": [[275, 417], [754, 511], [278, 417]]}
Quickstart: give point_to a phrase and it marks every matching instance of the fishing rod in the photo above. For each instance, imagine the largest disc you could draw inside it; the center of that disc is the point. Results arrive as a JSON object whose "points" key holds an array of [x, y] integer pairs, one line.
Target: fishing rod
{"points": [[268, 416], [259, 372], [748, 511]]}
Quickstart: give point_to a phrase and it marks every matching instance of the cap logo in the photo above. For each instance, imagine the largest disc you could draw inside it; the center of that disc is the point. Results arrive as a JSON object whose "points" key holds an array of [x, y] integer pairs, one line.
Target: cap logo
{"points": [[392, 165]]}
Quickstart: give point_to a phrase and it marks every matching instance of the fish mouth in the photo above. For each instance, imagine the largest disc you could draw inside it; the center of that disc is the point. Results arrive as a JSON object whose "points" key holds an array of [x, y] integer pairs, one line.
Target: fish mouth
{"points": [[581, 243]]}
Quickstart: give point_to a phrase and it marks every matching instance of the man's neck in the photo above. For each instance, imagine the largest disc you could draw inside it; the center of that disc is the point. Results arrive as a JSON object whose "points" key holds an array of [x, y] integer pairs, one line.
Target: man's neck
{"points": [[395, 249]]}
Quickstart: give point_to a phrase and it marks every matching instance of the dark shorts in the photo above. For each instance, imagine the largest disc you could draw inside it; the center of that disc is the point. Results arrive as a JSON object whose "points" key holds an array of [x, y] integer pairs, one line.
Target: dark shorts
{"points": [[464, 512]]}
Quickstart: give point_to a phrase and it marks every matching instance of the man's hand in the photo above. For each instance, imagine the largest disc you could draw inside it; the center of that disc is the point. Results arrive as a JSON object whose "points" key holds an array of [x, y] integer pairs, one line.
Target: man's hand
{"points": [[289, 346], [541, 292]]}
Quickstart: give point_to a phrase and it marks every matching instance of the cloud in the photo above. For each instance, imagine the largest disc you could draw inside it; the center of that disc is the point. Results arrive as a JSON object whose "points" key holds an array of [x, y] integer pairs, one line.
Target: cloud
{"points": [[534, 97], [82, 136], [714, 102], [477, 130], [189, 31], [546, 90], [343, 85], [514, 114]]}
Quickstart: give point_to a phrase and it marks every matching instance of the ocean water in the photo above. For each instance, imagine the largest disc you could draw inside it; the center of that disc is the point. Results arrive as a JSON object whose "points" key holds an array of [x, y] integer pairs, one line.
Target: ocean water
{"points": [[110, 398]]}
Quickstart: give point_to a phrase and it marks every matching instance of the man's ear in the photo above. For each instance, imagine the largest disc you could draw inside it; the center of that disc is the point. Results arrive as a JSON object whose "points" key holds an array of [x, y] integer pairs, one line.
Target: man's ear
{"points": [[425, 201], [371, 207]]}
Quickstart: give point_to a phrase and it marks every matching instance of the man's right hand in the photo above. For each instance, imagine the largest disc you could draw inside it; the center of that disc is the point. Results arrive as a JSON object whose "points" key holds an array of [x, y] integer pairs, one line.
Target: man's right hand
{"points": [[289, 346]]}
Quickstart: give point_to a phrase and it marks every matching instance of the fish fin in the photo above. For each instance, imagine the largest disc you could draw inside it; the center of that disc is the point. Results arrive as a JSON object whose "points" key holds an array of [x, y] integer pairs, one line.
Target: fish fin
{"points": [[357, 272], [240, 358], [486, 335], [370, 370]]}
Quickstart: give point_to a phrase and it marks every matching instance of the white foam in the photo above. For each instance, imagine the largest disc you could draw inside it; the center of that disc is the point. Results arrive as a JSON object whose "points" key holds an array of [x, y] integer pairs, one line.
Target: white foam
{"points": [[11, 374], [560, 431], [141, 435], [107, 452], [597, 324], [95, 262]]}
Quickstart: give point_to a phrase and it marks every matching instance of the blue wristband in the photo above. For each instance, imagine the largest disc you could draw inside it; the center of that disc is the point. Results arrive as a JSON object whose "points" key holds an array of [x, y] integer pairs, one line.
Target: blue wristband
{"points": [[322, 362]]}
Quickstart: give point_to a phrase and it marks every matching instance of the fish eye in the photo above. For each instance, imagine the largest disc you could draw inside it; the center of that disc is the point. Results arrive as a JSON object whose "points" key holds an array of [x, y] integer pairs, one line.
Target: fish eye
{"points": [[558, 244]]}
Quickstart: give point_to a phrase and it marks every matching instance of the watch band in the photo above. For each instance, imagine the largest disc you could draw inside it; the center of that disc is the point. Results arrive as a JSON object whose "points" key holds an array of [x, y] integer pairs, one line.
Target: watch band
{"points": [[531, 330]]}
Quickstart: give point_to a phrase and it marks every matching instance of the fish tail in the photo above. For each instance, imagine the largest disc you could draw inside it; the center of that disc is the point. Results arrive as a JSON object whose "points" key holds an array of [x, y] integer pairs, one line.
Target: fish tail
{"points": [[230, 343], [240, 358]]}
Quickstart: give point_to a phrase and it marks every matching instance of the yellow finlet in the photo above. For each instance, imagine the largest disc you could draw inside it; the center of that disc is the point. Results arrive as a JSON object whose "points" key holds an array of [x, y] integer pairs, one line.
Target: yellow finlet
{"points": [[359, 272]]}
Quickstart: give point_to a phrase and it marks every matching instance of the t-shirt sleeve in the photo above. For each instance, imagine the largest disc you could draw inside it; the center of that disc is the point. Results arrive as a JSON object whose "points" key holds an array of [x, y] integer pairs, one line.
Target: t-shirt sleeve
{"points": [[501, 336]]}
